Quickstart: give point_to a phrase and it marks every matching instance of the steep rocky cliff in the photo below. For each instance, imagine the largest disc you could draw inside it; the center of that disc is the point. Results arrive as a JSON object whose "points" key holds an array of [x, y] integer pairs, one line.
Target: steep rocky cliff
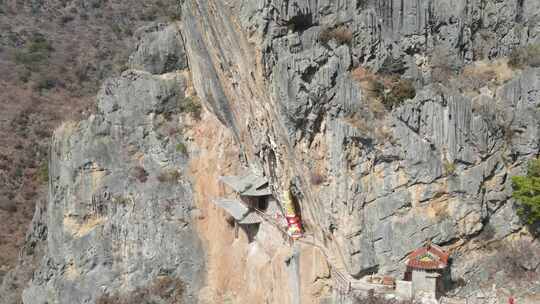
{"points": [[286, 91]]}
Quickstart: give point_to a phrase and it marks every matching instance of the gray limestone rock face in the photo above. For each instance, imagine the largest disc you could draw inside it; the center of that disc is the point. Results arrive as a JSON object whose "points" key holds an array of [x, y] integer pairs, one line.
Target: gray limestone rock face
{"points": [[303, 66], [443, 171], [436, 168], [396, 29], [160, 49], [448, 179], [119, 210]]}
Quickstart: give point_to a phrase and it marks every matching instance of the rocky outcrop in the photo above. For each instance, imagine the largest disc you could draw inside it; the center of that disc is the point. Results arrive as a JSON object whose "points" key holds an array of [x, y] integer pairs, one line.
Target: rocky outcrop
{"points": [[120, 209], [159, 49], [390, 29]]}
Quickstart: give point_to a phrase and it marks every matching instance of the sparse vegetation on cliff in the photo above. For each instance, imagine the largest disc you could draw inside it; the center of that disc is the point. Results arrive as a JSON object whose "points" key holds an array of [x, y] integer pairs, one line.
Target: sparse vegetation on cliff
{"points": [[525, 56], [164, 289], [36, 52], [181, 148], [470, 78], [396, 92], [527, 193], [449, 167], [169, 176], [191, 105], [140, 174], [341, 34], [43, 172], [388, 89]]}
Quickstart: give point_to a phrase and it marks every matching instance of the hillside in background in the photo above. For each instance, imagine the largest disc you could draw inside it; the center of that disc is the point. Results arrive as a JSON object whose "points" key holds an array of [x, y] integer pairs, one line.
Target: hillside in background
{"points": [[53, 57]]}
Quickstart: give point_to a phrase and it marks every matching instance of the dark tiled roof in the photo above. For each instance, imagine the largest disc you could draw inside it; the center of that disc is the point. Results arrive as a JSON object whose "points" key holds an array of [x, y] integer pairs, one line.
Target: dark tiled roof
{"points": [[430, 257], [251, 218], [238, 210], [248, 185]]}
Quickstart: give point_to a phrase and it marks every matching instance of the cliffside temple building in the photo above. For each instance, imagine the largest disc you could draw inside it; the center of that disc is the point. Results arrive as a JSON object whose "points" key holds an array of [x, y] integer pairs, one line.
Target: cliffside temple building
{"points": [[426, 269], [255, 200], [255, 203]]}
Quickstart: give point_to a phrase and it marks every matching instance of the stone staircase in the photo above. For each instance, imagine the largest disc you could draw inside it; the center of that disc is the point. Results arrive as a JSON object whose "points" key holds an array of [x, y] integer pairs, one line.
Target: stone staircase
{"points": [[344, 283]]}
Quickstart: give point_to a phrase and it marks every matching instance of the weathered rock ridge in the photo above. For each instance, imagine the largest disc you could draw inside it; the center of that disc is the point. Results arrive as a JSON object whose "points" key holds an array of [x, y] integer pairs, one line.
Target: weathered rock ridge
{"points": [[120, 210]]}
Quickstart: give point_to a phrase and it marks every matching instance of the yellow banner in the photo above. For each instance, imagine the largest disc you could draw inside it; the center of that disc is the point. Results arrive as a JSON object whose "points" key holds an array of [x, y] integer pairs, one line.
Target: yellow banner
{"points": [[288, 204]]}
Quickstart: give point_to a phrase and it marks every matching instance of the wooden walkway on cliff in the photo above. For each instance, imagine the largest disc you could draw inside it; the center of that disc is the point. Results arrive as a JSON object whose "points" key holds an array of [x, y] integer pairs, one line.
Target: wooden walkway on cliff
{"points": [[344, 283]]}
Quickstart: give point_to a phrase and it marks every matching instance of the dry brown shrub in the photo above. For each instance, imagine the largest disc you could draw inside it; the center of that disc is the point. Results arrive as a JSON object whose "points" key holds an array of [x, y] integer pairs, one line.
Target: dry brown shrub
{"points": [[389, 90], [342, 34], [167, 289], [316, 178], [447, 69], [169, 176], [140, 174], [381, 92], [399, 90], [372, 87]]}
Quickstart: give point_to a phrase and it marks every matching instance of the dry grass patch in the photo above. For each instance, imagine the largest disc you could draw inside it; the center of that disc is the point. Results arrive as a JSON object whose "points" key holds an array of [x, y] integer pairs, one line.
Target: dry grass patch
{"points": [[471, 78], [381, 93], [388, 90], [371, 88], [484, 74]]}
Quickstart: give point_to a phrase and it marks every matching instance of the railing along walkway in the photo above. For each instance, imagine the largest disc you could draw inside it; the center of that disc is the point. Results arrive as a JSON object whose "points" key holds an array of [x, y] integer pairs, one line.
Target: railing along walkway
{"points": [[343, 282]]}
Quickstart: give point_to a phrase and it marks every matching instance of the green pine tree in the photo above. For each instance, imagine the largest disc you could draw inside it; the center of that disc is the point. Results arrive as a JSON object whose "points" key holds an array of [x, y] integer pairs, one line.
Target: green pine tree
{"points": [[527, 193]]}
